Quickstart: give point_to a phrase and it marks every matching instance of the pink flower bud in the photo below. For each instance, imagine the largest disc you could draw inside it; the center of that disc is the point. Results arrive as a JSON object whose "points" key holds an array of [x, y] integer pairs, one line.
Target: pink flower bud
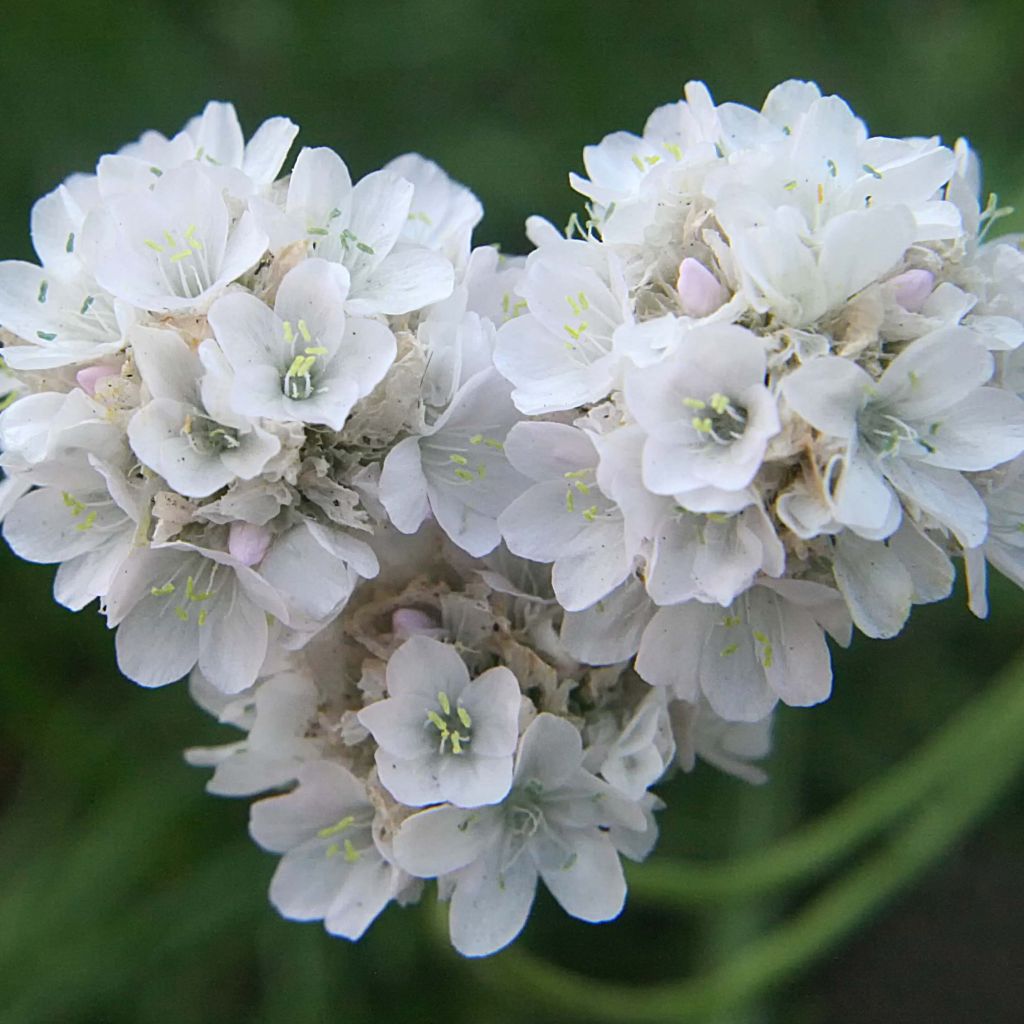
{"points": [[92, 375], [912, 287], [699, 290], [410, 621], [248, 543]]}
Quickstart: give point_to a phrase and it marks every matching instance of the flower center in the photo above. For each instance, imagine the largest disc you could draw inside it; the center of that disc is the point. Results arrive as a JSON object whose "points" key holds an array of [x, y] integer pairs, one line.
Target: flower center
{"points": [[208, 437], [297, 382], [718, 420], [182, 260], [344, 841], [452, 723], [885, 433]]}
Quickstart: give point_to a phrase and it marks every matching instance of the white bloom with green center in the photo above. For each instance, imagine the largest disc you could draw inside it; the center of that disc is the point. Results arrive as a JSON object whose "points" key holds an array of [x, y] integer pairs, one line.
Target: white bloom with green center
{"points": [[332, 868], [302, 361], [172, 248], [440, 735], [192, 440], [58, 309], [565, 517], [926, 419], [768, 645], [457, 469], [177, 605], [64, 319], [559, 353], [552, 825], [86, 522], [360, 227], [706, 411]]}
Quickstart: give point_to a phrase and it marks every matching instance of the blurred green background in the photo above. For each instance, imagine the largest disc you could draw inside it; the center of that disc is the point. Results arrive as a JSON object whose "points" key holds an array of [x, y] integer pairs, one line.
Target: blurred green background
{"points": [[127, 895]]}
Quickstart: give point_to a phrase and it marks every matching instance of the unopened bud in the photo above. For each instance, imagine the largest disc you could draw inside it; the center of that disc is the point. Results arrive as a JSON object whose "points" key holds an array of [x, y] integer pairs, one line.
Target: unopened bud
{"points": [[410, 621], [699, 290], [91, 376], [912, 288], [248, 543]]}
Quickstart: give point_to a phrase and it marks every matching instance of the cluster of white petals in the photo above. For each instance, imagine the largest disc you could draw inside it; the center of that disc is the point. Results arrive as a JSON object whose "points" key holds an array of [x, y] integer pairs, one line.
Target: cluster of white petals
{"points": [[476, 550]]}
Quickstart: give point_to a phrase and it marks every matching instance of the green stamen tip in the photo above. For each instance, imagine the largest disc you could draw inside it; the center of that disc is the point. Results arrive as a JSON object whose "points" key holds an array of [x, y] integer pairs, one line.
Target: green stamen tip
{"points": [[336, 828]]}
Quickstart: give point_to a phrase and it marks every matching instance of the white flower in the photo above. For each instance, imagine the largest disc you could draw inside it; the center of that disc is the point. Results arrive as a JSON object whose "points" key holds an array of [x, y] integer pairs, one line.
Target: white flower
{"points": [[712, 557], [63, 320], [42, 431], [315, 568], [549, 826], [443, 213], [172, 248], [213, 139], [193, 441], [359, 227], [331, 868], [565, 518], [87, 522], [926, 418], [457, 468], [1004, 543], [766, 646], [729, 746], [609, 631], [440, 736], [178, 605], [302, 361], [559, 354], [880, 581], [706, 411], [58, 310], [284, 712], [643, 749]]}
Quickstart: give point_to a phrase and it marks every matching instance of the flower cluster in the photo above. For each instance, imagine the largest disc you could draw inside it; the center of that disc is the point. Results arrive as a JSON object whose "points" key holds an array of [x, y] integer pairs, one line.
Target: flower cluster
{"points": [[476, 550]]}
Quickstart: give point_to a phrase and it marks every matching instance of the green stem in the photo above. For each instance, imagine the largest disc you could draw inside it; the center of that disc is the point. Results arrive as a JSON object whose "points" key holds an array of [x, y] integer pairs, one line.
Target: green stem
{"points": [[794, 945], [996, 714]]}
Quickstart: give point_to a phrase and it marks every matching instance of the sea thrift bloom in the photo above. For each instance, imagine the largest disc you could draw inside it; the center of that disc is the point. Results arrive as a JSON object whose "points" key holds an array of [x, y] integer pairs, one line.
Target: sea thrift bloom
{"points": [[477, 550], [551, 826], [440, 736]]}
